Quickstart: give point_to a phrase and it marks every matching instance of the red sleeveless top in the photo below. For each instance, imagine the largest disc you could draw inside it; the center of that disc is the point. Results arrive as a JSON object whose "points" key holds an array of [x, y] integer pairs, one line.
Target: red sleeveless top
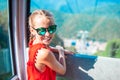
{"points": [[32, 72]]}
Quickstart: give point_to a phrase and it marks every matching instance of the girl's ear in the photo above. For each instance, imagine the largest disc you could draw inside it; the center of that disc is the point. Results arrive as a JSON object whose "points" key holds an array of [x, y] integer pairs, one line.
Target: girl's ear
{"points": [[32, 31]]}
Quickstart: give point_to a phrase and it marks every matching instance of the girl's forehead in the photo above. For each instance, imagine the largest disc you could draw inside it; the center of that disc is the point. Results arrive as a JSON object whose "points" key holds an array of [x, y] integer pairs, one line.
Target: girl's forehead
{"points": [[41, 21]]}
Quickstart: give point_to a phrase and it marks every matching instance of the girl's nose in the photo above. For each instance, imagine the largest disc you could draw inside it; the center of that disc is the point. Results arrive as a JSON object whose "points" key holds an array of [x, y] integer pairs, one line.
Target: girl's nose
{"points": [[47, 33]]}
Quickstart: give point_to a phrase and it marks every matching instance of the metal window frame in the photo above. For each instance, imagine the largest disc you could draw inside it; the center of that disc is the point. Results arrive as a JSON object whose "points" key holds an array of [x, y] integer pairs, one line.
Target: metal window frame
{"points": [[18, 23]]}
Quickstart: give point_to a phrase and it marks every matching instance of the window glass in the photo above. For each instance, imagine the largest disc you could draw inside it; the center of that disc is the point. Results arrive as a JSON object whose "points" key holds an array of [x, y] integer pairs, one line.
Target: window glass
{"points": [[5, 49], [86, 27]]}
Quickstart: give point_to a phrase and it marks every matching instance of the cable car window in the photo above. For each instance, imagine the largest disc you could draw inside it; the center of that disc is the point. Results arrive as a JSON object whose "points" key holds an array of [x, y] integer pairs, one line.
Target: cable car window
{"points": [[86, 27], [6, 65]]}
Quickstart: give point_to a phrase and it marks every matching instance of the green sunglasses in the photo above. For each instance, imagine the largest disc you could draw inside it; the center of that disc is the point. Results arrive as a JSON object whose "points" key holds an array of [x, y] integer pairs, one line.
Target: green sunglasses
{"points": [[41, 31]]}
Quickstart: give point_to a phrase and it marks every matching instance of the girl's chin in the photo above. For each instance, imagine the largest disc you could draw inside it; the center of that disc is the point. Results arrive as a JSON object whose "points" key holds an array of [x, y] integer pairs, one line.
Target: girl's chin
{"points": [[46, 43]]}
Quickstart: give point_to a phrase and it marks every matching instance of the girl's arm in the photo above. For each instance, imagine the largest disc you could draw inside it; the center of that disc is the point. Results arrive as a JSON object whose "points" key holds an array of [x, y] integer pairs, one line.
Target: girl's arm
{"points": [[55, 50], [46, 57]]}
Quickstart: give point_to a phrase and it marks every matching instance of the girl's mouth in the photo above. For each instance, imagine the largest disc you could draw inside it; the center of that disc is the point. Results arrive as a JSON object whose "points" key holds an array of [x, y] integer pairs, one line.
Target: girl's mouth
{"points": [[47, 39]]}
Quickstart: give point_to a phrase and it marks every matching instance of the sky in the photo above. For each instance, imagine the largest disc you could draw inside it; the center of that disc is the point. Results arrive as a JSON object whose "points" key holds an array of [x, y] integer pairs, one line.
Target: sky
{"points": [[72, 6]]}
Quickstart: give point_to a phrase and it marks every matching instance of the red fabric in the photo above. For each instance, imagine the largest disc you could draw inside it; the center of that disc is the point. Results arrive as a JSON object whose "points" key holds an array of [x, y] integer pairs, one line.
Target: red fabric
{"points": [[33, 73]]}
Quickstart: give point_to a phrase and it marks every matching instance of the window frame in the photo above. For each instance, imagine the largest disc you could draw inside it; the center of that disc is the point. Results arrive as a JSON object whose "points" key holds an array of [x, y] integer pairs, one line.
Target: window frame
{"points": [[18, 24]]}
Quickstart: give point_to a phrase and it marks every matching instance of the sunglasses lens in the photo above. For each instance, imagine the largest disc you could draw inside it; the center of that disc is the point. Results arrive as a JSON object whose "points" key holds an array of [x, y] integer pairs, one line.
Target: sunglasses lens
{"points": [[41, 31], [52, 29]]}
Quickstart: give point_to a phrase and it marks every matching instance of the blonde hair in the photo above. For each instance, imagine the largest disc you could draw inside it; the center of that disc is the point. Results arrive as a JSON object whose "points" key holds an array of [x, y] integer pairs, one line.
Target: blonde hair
{"points": [[40, 13]]}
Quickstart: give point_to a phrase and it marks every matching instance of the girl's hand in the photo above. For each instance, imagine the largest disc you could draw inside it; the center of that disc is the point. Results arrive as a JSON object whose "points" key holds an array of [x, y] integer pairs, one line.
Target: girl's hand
{"points": [[68, 52], [61, 56], [61, 52], [55, 50]]}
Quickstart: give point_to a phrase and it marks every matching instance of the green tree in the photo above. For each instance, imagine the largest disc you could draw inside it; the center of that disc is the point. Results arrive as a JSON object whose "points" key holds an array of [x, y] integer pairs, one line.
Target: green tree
{"points": [[57, 41], [113, 48], [3, 29]]}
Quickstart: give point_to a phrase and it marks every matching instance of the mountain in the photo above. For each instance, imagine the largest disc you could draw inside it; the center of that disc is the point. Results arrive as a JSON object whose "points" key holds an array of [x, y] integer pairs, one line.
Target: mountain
{"points": [[101, 18], [103, 24]]}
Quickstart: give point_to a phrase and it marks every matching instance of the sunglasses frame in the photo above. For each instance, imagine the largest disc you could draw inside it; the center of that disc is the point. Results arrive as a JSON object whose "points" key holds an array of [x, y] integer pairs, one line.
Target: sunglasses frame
{"points": [[39, 30]]}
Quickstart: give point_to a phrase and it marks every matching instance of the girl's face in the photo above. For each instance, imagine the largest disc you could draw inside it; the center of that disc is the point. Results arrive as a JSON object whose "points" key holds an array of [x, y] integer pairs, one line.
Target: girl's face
{"points": [[41, 26]]}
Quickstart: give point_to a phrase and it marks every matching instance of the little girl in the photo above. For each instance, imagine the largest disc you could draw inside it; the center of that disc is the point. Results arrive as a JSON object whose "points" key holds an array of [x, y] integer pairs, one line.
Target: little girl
{"points": [[42, 64]]}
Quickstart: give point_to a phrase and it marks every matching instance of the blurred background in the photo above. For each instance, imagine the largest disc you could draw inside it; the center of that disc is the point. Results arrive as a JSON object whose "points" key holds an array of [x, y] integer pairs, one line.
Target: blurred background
{"points": [[87, 27], [90, 27]]}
